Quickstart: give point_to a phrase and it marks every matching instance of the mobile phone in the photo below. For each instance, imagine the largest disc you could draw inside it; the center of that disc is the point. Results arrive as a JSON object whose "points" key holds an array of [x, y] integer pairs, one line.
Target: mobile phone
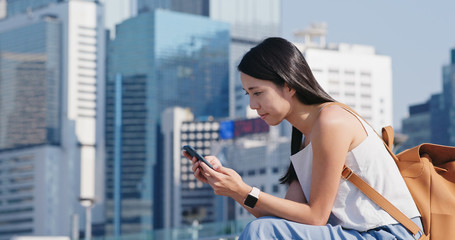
{"points": [[193, 153]]}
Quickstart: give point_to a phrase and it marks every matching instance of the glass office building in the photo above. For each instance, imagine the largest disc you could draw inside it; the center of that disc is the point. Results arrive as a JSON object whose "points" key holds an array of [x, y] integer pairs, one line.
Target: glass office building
{"points": [[159, 59], [30, 85], [35, 182], [51, 87], [448, 87], [250, 22], [198, 7], [15, 7], [434, 120]]}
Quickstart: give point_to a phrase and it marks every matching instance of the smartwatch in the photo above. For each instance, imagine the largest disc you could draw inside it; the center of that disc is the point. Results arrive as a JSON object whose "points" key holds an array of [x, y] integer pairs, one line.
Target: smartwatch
{"points": [[252, 198]]}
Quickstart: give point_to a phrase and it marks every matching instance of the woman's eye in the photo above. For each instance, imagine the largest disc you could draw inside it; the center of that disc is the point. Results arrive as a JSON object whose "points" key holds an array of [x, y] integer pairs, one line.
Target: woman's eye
{"points": [[257, 93]]}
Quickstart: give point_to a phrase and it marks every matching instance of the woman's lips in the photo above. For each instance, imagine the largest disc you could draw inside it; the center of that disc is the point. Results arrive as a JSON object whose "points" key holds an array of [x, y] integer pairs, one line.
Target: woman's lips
{"points": [[263, 115]]}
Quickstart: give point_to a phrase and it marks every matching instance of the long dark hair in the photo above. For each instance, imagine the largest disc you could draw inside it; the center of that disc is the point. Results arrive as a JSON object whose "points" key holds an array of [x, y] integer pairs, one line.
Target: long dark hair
{"points": [[279, 61]]}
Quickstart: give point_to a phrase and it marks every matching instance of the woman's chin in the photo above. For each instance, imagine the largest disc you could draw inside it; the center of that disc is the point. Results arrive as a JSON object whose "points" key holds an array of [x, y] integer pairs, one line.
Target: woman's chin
{"points": [[272, 123]]}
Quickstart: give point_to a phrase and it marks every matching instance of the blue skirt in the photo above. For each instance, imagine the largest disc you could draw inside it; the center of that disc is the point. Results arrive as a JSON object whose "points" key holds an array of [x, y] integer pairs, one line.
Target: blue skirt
{"points": [[277, 228]]}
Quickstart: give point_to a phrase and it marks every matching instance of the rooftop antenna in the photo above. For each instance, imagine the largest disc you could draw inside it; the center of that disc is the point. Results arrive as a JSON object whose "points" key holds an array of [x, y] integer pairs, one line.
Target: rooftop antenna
{"points": [[313, 32]]}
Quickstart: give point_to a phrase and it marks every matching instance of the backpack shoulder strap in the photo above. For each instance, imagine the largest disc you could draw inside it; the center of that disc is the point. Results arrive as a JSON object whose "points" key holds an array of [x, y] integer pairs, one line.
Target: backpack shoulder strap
{"points": [[380, 200], [387, 136]]}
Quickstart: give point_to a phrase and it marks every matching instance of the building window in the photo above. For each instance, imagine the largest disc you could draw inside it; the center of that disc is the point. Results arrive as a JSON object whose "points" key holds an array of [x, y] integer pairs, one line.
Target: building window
{"points": [[334, 81], [365, 74], [365, 84], [365, 106], [334, 94], [276, 188], [350, 94], [367, 96], [333, 71], [349, 72], [349, 83]]}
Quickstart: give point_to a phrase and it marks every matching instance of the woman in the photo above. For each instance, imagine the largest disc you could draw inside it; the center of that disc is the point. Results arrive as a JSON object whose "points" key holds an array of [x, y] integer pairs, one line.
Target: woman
{"points": [[318, 203]]}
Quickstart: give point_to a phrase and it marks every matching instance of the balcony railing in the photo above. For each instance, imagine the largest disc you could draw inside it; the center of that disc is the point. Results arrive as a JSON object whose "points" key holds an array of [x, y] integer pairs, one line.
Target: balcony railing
{"points": [[209, 231]]}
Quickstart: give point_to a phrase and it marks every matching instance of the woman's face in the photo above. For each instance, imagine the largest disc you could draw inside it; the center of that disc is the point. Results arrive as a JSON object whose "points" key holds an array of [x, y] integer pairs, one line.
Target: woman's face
{"points": [[272, 103]]}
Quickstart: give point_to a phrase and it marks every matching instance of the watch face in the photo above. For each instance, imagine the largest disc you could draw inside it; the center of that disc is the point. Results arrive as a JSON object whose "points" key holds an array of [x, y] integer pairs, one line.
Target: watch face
{"points": [[250, 201]]}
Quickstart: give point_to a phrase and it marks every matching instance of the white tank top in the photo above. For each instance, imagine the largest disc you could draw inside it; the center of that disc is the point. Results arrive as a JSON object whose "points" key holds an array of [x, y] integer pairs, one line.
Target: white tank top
{"points": [[373, 163]]}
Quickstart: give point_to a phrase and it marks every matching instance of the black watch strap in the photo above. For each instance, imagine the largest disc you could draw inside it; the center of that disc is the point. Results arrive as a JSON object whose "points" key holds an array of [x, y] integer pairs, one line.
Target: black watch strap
{"points": [[252, 198]]}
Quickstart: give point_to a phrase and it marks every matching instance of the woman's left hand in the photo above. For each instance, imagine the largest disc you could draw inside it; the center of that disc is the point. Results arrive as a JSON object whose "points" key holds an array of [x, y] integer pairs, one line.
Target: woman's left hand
{"points": [[225, 181]]}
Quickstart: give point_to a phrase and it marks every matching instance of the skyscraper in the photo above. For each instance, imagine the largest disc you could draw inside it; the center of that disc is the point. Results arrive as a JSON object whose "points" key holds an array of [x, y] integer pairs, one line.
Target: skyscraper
{"points": [[417, 126], [117, 11], [448, 92], [250, 21], [197, 7], [15, 7], [30, 69], [434, 120], [157, 60], [51, 82], [2, 9]]}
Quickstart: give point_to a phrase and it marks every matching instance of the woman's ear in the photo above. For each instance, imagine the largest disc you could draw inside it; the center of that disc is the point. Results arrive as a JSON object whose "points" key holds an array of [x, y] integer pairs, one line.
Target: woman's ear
{"points": [[289, 90]]}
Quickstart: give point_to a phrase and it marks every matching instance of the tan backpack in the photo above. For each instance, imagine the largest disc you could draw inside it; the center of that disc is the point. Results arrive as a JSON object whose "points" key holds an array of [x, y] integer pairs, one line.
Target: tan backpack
{"points": [[429, 173]]}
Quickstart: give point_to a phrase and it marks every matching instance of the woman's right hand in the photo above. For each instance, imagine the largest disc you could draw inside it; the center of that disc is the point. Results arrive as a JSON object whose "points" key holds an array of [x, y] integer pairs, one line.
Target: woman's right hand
{"points": [[196, 166]]}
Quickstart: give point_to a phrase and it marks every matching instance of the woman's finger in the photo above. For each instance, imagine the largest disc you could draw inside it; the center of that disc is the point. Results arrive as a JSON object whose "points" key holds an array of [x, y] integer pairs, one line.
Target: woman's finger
{"points": [[199, 176], [207, 170], [185, 153], [195, 166], [193, 159], [215, 162]]}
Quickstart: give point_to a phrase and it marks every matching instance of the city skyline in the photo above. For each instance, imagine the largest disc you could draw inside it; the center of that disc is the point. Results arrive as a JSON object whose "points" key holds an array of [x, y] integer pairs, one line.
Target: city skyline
{"points": [[88, 120], [415, 34]]}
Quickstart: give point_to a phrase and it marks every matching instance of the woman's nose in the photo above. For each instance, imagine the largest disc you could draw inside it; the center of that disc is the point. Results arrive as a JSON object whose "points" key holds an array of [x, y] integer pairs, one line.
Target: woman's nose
{"points": [[254, 105]]}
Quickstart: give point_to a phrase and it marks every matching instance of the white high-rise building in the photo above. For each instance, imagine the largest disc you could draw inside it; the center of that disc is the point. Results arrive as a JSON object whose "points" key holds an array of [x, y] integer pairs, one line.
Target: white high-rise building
{"points": [[51, 122], [351, 74], [2, 9], [172, 119]]}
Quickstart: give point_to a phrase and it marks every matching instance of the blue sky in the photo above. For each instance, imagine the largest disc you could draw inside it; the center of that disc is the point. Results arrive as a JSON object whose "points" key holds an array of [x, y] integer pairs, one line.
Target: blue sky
{"points": [[417, 35]]}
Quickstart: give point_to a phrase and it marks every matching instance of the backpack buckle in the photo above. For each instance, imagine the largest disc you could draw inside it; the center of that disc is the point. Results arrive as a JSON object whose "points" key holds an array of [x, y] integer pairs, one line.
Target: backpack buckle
{"points": [[416, 236], [346, 173]]}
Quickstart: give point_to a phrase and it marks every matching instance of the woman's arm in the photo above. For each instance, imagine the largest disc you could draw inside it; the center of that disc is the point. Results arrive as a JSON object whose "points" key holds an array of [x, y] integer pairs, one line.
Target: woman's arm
{"points": [[226, 182], [295, 192], [331, 138]]}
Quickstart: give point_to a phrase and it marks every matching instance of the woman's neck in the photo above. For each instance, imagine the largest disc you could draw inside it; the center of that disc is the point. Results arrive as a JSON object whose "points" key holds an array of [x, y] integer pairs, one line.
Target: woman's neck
{"points": [[303, 117]]}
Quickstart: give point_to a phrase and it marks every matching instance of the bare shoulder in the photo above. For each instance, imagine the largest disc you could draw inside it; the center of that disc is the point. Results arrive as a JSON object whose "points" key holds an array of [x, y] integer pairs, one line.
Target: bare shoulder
{"points": [[336, 122], [335, 116]]}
